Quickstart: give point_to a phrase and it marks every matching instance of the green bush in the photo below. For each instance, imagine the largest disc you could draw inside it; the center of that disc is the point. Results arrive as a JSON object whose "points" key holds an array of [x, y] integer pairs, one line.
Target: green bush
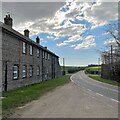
{"points": [[72, 70]]}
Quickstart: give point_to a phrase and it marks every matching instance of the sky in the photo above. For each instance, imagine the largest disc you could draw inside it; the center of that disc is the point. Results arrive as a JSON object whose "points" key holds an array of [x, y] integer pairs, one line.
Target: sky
{"points": [[73, 30]]}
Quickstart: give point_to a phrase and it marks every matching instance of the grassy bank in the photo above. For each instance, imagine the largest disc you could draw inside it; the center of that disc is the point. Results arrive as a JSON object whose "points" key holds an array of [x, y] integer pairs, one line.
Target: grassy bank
{"points": [[98, 78], [19, 97], [93, 70]]}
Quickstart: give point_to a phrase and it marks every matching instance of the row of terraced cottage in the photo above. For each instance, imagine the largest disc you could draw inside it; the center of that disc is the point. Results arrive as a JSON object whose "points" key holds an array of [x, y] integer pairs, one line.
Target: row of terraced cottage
{"points": [[24, 61]]}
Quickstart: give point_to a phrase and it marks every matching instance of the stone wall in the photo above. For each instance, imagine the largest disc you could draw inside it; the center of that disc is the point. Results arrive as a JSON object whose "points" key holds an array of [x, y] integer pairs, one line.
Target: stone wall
{"points": [[12, 54]]}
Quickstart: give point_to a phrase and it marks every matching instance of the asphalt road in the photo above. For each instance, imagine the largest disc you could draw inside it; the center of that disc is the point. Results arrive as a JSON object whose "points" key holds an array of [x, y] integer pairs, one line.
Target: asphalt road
{"points": [[81, 98], [103, 89]]}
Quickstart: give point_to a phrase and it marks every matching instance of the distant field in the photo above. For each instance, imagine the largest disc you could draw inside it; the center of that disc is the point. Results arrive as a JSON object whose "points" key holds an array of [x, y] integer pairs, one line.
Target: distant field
{"points": [[72, 69], [94, 68]]}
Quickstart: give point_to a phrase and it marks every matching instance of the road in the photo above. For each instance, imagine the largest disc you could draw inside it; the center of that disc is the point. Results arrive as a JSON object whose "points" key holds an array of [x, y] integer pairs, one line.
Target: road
{"points": [[81, 98], [82, 80]]}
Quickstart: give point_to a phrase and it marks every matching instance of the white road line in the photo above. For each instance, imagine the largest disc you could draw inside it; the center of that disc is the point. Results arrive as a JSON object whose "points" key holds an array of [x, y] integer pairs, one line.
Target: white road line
{"points": [[101, 83], [114, 100], [2, 97], [99, 94], [110, 105], [89, 90]]}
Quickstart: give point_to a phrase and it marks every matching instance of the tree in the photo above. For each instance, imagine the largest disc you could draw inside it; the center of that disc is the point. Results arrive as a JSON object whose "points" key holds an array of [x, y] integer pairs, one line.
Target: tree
{"points": [[113, 31], [111, 56]]}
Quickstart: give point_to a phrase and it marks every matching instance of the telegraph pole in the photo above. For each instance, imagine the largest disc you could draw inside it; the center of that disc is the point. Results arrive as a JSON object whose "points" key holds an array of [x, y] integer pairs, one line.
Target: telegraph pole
{"points": [[111, 54], [112, 67], [63, 66], [98, 66], [5, 87]]}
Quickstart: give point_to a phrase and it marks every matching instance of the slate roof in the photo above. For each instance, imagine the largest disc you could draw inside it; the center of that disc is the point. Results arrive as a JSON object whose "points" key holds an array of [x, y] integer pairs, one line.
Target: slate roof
{"points": [[15, 33]]}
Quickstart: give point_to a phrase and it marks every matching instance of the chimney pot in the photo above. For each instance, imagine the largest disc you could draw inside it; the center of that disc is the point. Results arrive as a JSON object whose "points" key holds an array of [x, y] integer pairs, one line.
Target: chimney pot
{"points": [[37, 40], [8, 20], [26, 33]]}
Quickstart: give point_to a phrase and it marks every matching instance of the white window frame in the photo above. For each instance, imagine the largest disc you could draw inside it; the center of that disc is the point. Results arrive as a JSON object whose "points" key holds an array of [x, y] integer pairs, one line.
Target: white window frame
{"points": [[24, 71], [38, 53], [15, 72], [31, 71], [38, 70], [24, 47], [31, 50]]}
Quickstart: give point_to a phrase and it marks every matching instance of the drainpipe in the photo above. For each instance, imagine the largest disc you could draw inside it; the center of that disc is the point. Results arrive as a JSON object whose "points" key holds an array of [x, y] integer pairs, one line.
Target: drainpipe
{"points": [[5, 87], [42, 65]]}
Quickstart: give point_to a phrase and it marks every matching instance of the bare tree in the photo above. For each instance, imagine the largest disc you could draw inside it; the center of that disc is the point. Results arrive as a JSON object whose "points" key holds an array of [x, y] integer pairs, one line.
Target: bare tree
{"points": [[111, 56], [113, 32]]}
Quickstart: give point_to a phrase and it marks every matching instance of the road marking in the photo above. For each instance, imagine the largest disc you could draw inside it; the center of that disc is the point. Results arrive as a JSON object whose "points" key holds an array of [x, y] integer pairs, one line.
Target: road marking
{"points": [[89, 90], [2, 97], [98, 82], [99, 94], [114, 100], [110, 105], [21, 107]]}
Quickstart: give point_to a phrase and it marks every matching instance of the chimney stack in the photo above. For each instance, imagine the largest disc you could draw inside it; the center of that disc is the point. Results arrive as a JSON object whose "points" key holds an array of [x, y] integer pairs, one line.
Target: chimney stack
{"points": [[8, 20], [37, 40], [45, 47], [26, 33]]}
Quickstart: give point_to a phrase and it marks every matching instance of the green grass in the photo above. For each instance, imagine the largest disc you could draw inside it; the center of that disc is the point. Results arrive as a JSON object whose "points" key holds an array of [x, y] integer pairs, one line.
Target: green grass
{"points": [[94, 68], [75, 68], [98, 78], [19, 97]]}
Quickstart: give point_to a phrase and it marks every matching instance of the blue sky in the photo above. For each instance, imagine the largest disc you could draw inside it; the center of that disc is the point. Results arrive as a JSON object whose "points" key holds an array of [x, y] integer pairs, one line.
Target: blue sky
{"points": [[73, 30]]}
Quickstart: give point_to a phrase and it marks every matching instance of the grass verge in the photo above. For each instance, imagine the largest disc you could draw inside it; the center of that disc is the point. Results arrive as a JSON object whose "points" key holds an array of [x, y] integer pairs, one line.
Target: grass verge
{"points": [[21, 96], [98, 78]]}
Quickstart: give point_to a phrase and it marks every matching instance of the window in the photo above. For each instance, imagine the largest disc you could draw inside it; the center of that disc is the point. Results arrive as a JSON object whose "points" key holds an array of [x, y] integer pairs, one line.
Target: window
{"points": [[24, 71], [24, 48], [38, 53], [38, 71], [31, 71], [31, 50], [48, 56], [15, 72], [47, 71], [43, 54]]}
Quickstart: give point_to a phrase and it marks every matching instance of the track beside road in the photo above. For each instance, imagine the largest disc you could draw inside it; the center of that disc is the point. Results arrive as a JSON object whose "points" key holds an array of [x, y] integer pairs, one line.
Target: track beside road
{"points": [[82, 98]]}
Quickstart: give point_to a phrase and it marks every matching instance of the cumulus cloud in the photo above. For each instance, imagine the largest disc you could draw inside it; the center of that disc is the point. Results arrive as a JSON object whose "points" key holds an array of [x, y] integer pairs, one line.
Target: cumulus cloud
{"points": [[73, 39], [88, 42], [110, 42], [58, 19], [99, 14], [30, 11], [61, 44]]}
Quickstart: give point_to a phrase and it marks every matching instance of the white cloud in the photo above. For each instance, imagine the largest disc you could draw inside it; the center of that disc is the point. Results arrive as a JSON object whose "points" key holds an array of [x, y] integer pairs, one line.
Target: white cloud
{"points": [[58, 23], [70, 39], [73, 39], [50, 37], [100, 14], [110, 42], [87, 43], [61, 44]]}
